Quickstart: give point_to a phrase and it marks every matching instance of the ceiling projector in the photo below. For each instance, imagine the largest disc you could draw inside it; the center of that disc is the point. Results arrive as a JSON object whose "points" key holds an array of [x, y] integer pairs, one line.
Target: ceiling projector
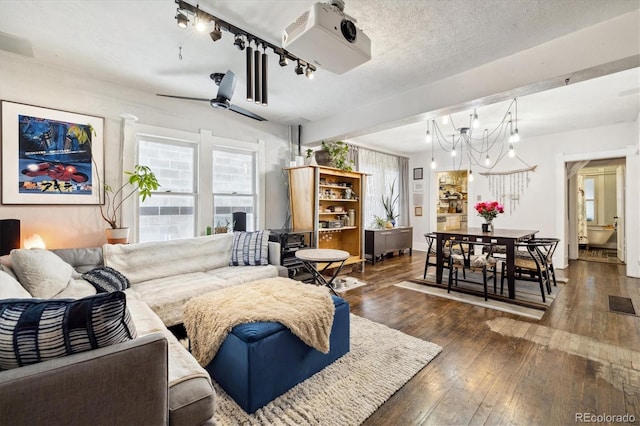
{"points": [[328, 38]]}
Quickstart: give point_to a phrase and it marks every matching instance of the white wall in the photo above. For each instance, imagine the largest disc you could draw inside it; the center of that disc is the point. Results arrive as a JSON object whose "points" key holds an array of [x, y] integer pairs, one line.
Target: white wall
{"points": [[26, 81], [542, 205]]}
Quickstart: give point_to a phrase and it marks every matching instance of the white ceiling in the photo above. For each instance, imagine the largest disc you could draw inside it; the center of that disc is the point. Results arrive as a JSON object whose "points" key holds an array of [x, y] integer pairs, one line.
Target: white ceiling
{"points": [[136, 44]]}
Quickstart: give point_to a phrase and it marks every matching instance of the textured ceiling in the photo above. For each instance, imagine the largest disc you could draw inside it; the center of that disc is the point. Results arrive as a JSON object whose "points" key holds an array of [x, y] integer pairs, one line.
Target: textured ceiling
{"points": [[136, 44]]}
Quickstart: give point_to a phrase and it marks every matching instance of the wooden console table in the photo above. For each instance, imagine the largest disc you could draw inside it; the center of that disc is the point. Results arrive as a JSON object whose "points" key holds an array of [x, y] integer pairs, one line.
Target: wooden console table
{"points": [[381, 241]]}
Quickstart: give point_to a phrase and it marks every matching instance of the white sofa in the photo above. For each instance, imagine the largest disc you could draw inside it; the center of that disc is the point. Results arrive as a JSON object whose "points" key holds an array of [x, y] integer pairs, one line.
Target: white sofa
{"points": [[163, 277]]}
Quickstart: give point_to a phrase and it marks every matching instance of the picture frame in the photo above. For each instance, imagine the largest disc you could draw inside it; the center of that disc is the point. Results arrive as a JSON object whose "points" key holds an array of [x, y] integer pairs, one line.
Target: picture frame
{"points": [[51, 156], [417, 173], [418, 210], [418, 187]]}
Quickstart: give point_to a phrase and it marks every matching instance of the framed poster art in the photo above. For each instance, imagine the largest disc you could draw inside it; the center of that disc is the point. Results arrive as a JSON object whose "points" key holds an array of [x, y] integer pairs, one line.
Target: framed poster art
{"points": [[417, 173], [51, 156], [418, 210]]}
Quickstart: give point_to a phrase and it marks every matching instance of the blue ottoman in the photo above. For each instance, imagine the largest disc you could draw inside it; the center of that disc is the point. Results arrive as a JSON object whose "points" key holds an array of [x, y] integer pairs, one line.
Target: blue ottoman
{"points": [[260, 361]]}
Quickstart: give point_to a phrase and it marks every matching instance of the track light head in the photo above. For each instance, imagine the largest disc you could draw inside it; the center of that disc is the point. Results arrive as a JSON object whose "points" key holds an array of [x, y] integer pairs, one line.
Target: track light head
{"points": [[309, 72], [299, 69], [283, 60], [239, 42], [181, 19], [216, 34]]}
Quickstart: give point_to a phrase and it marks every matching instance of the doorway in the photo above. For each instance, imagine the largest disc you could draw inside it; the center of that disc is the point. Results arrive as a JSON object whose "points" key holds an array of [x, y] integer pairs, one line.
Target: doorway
{"points": [[598, 216]]}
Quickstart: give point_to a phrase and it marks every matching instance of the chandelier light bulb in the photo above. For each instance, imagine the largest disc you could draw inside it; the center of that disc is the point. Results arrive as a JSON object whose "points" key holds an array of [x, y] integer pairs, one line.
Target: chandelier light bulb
{"points": [[487, 161], [445, 120], [433, 164], [516, 136], [476, 121], [512, 153], [453, 153], [470, 177], [428, 137]]}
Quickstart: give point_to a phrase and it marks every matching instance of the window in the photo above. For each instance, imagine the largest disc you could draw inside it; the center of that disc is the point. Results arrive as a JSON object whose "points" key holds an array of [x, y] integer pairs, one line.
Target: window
{"points": [[384, 170], [590, 198], [169, 213], [234, 186]]}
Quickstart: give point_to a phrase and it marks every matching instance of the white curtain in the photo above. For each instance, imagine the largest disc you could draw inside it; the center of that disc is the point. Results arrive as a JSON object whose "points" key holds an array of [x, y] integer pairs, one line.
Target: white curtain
{"points": [[384, 171]]}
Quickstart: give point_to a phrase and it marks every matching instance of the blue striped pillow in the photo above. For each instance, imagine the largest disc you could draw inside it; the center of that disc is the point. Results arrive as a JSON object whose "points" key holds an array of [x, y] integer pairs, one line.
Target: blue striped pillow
{"points": [[250, 248], [36, 330]]}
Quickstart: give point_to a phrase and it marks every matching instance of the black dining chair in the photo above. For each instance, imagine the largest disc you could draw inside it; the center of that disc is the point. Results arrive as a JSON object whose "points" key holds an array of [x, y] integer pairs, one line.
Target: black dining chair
{"points": [[533, 263], [462, 256], [431, 253]]}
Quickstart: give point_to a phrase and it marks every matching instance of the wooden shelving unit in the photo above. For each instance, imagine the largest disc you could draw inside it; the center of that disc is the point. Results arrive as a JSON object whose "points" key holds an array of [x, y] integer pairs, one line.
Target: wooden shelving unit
{"points": [[329, 201]]}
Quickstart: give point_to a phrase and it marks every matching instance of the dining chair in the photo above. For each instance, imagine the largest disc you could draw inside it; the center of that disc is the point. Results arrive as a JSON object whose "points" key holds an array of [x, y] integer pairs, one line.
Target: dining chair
{"points": [[462, 256], [532, 258], [431, 253]]}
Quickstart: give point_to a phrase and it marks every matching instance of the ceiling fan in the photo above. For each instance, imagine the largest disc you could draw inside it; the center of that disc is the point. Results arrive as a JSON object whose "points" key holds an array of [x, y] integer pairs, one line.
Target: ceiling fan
{"points": [[227, 84]]}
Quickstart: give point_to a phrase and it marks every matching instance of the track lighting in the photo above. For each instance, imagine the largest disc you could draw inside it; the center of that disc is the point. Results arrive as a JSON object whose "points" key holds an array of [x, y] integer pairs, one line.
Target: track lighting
{"points": [[239, 42], [264, 76], [309, 72], [299, 69], [216, 34], [257, 93], [283, 60], [249, 72], [181, 19]]}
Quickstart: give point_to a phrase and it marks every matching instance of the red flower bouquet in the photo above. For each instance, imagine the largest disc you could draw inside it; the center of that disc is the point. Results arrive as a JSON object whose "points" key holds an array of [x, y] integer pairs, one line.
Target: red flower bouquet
{"points": [[489, 210]]}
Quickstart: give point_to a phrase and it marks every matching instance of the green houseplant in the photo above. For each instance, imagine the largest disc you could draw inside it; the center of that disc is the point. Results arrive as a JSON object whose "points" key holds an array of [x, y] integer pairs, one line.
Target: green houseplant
{"points": [[141, 181], [338, 152], [390, 203]]}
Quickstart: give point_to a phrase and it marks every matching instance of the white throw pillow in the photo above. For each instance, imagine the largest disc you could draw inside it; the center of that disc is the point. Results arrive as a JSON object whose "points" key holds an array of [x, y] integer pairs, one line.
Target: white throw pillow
{"points": [[41, 272], [10, 288]]}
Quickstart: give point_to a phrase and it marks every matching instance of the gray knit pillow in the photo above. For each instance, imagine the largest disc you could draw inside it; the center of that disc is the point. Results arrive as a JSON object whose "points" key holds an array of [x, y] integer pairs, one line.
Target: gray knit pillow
{"points": [[106, 279]]}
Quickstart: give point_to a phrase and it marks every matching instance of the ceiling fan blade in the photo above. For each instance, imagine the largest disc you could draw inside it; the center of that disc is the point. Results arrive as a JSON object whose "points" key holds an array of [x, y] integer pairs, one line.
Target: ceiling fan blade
{"points": [[227, 85], [244, 112], [184, 97]]}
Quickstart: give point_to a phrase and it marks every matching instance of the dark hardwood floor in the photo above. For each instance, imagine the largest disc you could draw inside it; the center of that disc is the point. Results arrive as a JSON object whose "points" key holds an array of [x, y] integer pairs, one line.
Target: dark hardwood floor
{"points": [[580, 358]]}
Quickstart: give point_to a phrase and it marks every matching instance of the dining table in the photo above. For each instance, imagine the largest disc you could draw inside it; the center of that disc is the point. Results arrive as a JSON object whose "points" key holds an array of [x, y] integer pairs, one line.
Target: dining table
{"points": [[502, 237]]}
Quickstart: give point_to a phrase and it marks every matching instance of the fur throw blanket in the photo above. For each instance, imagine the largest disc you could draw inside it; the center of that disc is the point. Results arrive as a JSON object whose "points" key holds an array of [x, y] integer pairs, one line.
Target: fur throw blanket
{"points": [[306, 310]]}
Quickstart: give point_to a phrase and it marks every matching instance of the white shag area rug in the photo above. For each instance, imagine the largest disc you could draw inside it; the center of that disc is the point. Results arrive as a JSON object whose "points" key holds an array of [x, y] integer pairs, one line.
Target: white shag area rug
{"points": [[380, 362]]}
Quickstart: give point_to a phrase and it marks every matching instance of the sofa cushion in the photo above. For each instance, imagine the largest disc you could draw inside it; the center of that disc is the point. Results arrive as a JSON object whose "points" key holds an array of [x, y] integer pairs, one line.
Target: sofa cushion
{"points": [[82, 259], [76, 289], [158, 259], [41, 272], [106, 279], [36, 330], [10, 288], [250, 248], [191, 394]]}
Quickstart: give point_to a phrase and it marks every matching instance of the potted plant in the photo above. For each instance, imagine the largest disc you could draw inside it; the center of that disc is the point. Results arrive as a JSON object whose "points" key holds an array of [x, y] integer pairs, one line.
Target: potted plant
{"points": [[390, 204], [379, 222], [337, 153], [142, 181], [311, 158]]}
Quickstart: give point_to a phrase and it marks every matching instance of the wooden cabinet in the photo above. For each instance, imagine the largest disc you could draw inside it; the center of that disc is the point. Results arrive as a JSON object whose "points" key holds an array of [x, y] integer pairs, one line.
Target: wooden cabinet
{"points": [[452, 200], [378, 242], [328, 201]]}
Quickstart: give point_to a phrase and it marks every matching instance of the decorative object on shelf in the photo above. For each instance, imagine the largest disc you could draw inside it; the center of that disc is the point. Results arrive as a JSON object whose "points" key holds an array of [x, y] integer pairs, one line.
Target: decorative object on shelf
{"points": [[482, 152], [51, 156], [338, 152], [141, 181], [390, 203], [488, 210], [509, 185], [310, 159]]}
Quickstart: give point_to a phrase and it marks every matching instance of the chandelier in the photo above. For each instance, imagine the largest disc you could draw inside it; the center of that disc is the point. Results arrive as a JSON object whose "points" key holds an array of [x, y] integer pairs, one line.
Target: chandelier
{"points": [[482, 148], [485, 151]]}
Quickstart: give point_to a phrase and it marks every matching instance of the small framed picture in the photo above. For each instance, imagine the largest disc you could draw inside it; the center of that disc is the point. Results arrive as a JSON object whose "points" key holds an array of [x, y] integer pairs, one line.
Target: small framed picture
{"points": [[418, 210], [418, 187], [417, 173]]}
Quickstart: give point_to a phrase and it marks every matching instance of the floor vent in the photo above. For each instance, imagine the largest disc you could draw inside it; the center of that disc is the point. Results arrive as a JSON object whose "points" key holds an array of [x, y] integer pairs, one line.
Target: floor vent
{"points": [[621, 305]]}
